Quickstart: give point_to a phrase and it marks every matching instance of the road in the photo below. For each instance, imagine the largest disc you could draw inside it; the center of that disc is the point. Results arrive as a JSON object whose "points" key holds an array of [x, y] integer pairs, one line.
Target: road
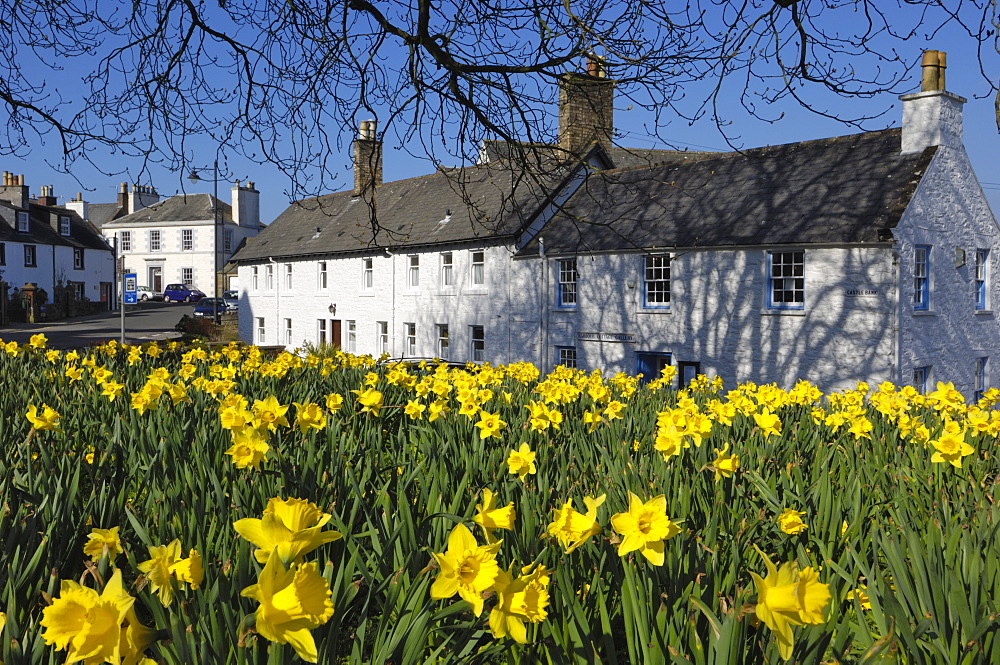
{"points": [[143, 322]]}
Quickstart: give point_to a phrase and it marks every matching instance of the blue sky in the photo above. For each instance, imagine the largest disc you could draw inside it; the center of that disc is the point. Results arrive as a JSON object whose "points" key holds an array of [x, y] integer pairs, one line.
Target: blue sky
{"points": [[794, 124]]}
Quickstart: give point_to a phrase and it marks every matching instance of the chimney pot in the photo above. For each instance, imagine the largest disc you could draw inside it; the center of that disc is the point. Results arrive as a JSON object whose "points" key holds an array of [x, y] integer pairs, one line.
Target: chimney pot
{"points": [[367, 158], [933, 65]]}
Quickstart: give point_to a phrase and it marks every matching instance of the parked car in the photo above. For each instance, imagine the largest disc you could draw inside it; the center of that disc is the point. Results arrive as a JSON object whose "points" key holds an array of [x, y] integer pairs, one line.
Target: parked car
{"points": [[206, 307], [232, 299], [145, 293], [179, 292]]}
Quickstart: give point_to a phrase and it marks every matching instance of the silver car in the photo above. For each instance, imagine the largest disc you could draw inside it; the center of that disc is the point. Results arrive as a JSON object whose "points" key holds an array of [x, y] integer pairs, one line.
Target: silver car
{"points": [[232, 299]]}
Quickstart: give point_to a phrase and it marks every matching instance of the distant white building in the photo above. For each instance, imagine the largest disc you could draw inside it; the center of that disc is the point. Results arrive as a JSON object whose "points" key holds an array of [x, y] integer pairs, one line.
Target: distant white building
{"points": [[864, 257], [48, 245], [174, 240]]}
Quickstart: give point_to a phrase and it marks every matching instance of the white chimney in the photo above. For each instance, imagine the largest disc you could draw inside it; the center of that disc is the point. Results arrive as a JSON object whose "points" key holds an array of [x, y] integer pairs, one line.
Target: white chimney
{"points": [[79, 206], [933, 116], [246, 205], [141, 197]]}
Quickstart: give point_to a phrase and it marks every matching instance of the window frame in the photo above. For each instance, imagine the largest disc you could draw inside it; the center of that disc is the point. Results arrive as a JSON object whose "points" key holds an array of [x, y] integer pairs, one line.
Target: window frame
{"points": [[322, 276], [410, 335], [78, 258], [981, 378], [65, 228], [23, 222], [125, 241], [567, 283], [981, 279], [447, 270], [413, 271], [227, 240], [261, 330], [3, 253], [567, 357], [367, 274], [288, 332], [442, 344], [269, 277], [30, 256], [321, 332], [288, 276], [921, 278], [921, 377], [477, 268], [650, 283], [155, 241], [477, 343], [382, 336], [187, 240], [255, 278], [778, 283], [352, 336], [187, 276]]}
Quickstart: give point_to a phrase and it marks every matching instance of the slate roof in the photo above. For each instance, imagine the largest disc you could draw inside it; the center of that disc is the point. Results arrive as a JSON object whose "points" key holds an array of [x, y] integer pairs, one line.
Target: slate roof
{"points": [[178, 209], [486, 201], [40, 230], [846, 189], [102, 213]]}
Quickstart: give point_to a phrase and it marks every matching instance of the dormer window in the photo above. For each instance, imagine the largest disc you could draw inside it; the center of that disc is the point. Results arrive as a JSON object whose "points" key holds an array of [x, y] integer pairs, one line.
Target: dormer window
{"points": [[22, 222], [64, 225]]}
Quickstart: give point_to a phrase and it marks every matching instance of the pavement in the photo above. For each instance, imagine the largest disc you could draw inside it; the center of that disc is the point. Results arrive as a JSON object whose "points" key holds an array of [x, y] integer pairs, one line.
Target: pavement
{"points": [[19, 326]]}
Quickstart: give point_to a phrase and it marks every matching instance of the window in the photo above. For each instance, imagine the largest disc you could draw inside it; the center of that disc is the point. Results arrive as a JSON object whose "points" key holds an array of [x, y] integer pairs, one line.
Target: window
{"points": [[321, 280], [64, 225], [321, 331], [442, 341], [478, 275], [687, 372], [411, 339], [260, 330], [982, 274], [254, 273], [656, 281], [22, 222], [447, 275], [288, 332], [382, 336], [187, 276], [786, 280], [921, 375], [126, 241], [3, 254], [414, 273], [367, 275], [78, 258], [154, 241], [567, 283], [288, 275], [29, 256], [921, 277], [78, 290], [269, 277], [227, 241], [567, 356], [981, 379], [187, 240], [650, 365], [352, 337], [478, 337]]}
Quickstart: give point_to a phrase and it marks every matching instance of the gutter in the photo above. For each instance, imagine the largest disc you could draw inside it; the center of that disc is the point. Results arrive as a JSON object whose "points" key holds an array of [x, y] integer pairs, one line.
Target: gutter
{"points": [[895, 370], [543, 313], [277, 299]]}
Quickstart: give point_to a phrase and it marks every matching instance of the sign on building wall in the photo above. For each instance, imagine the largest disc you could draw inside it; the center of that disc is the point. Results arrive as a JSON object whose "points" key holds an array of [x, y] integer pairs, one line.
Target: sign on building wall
{"points": [[606, 337], [862, 293]]}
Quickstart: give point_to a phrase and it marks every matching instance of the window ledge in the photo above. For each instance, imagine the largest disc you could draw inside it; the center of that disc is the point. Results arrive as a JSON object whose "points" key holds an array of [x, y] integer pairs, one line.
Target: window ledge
{"points": [[767, 311], [367, 294], [564, 310], [924, 312], [476, 291], [984, 312], [654, 310]]}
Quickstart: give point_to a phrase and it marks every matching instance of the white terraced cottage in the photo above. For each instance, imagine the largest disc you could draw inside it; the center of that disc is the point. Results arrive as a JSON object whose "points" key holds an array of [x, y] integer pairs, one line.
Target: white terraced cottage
{"points": [[864, 257]]}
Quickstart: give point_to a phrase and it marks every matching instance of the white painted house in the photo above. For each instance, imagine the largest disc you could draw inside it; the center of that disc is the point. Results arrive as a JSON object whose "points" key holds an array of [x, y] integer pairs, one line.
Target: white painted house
{"points": [[48, 245], [177, 240], [863, 257]]}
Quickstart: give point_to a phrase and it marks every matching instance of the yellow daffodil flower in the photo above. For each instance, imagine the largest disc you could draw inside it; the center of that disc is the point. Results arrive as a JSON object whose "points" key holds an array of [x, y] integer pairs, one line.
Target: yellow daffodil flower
{"points": [[47, 419], [491, 518], [788, 597], [790, 521], [370, 400], [521, 461], [466, 568], [102, 542], [725, 465], [490, 425], [519, 600], [644, 528], [290, 528], [165, 563], [951, 446], [309, 416], [270, 413], [38, 341], [571, 528], [87, 624]]}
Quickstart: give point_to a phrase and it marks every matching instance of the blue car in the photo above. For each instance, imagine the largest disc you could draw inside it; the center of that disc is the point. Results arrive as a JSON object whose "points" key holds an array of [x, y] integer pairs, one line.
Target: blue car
{"points": [[207, 307], [181, 293]]}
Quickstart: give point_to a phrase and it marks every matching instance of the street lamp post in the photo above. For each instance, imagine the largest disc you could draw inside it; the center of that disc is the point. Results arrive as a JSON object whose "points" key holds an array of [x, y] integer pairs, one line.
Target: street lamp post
{"points": [[194, 178]]}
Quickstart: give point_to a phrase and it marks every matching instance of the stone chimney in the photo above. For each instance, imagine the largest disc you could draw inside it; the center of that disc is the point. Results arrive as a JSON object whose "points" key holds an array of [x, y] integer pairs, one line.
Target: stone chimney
{"points": [[141, 197], [123, 196], [47, 197], [246, 205], [14, 191], [933, 116], [586, 108], [367, 159], [79, 206]]}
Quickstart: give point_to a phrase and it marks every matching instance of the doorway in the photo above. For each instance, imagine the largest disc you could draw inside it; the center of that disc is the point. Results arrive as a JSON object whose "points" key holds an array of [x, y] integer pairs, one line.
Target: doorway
{"points": [[156, 279], [335, 333]]}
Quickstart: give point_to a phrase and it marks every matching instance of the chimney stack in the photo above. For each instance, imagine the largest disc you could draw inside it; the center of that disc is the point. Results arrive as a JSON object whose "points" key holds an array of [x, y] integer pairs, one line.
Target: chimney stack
{"points": [[933, 116], [79, 206], [586, 108], [123, 196], [47, 197], [246, 205], [367, 159], [141, 197], [14, 191]]}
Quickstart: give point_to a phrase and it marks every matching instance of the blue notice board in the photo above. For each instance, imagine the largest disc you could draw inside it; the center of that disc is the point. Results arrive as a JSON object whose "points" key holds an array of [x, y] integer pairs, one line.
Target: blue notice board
{"points": [[129, 288]]}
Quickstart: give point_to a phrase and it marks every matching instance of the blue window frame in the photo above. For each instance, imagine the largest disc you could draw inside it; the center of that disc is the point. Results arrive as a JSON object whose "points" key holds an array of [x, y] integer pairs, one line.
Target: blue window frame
{"points": [[651, 364], [921, 277], [567, 283], [656, 281], [786, 282], [981, 379], [921, 375], [982, 275]]}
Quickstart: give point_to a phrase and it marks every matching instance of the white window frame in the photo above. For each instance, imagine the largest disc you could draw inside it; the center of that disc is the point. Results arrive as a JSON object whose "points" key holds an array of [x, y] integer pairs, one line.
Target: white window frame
{"points": [[411, 339], [269, 277], [321, 332], [64, 226], [125, 240], [447, 270], [23, 222], [255, 278], [288, 276], [921, 378], [477, 268], [78, 259], [227, 240], [567, 356], [982, 280], [568, 283], [288, 332], [367, 274], [261, 330], [30, 256], [921, 277], [442, 345], [786, 279], [187, 276], [477, 343], [155, 241], [656, 281], [352, 336], [382, 336], [982, 378], [413, 273], [322, 276], [187, 240]]}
